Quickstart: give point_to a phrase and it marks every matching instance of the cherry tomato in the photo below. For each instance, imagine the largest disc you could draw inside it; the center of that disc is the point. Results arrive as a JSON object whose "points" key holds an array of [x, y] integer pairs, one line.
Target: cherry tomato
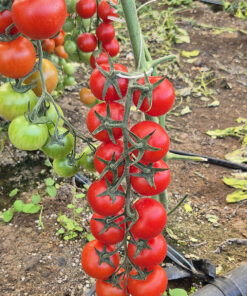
{"points": [[152, 218], [105, 10], [106, 151], [117, 113], [111, 47], [155, 283], [86, 8], [50, 76], [112, 235], [90, 260], [101, 59], [87, 97], [162, 99], [13, 104], [5, 20], [39, 19], [159, 139], [69, 80], [61, 148], [59, 39], [105, 32], [25, 135], [17, 57], [64, 167], [69, 69], [60, 52], [87, 158], [86, 42], [85, 57], [148, 258], [107, 289], [97, 83], [70, 47], [48, 45], [104, 205], [161, 180]]}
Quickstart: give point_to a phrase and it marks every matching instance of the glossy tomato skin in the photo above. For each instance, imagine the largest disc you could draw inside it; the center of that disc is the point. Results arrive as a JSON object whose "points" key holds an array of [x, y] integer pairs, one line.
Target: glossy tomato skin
{"points": [[97, 82], [5, 20], [17, 57], [106, 151], [60, 52], [112, 47], [87, 159], [162, 99], [64, 168], [86, 8], [51, 115], [105, 10], [104, 205], [107, 289], [161, 180], [155, 283], [112, 235], [50, 75], [101, 59], [60, 149], [90, 260], [59, 39], [148, 258], [117, 113], [48, 45], [105, 32], [25, 135], [87, 97], [152, 218], [159, 139], [39, 19], [13, 104], [87, 42]]}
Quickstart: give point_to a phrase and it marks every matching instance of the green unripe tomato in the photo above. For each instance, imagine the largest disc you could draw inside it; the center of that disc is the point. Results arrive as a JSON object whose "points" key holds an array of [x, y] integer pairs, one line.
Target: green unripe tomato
{"points": [[51, 115], [69, 69], [85, 57], [13, 104], [54, 59], [64, 168], [60, 148], [62, 62], [69, 80], [68, 25], [71, 6], [70, 47], [87, 159]]}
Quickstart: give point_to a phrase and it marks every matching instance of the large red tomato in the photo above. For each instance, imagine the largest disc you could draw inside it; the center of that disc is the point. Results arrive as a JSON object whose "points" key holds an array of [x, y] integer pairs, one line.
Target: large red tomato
{"points": [[97, 82], [90, 260], [152, 218], [39, 19], [161, 180], [17, 57], [163, 97], [107, 289], [155, 283], [159, 139], [104, 204], [117, 113], [148, 258]]}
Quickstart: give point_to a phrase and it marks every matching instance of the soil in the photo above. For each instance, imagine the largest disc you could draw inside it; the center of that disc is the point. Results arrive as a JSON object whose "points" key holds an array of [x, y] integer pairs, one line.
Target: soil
{"points": [[36, 261]]}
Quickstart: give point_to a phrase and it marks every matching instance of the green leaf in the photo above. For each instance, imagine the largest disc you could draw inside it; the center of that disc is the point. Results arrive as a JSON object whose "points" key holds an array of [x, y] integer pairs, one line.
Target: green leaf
{"points": [[51, 190], [30, 208], [177, 292], [61, 231], [36, 199], [18, 206], [48, 163], [189, 54], [49, 182], [70, 206], [80, 195], [236, 196], [79, 210], [8, 215], [215, 103], [187, 208], [90, 237], [212, 218], [13, 192], [235, 183]]}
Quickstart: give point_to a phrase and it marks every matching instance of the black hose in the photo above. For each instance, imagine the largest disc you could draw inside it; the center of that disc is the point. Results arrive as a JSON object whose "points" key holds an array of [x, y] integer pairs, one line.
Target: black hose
{"points": [[212, 160], [212, 2]]}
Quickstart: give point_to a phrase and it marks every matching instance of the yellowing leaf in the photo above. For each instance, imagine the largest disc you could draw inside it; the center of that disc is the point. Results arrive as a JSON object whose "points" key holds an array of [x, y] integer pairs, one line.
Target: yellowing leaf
{"points": [[185, 110], [187, 208], [189, 54], [212, 218], [235, 183], [236, 196], [237, 155]]}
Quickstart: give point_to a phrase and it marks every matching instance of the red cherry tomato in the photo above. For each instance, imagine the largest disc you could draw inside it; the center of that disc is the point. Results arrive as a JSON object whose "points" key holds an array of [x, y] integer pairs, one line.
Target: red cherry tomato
{"points": [[159, 139], [161, 180], [105, 32], [90, 260], [152, 218], [39, 19], [97, 83], [17, 57], [112, 235], [5, 20], [101, 59], [155, 283], [106, 151], [105, 10], [86, 8], [86, 42], [117, 113], [162, 99], [148, 258], [60, 52], [111, 47], [104, 205], [48, 45], [59, 39]]}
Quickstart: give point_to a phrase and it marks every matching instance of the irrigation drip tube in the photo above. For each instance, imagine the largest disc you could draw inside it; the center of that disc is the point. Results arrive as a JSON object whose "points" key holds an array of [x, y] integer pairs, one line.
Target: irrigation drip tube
{"points": [[212, 2]]}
